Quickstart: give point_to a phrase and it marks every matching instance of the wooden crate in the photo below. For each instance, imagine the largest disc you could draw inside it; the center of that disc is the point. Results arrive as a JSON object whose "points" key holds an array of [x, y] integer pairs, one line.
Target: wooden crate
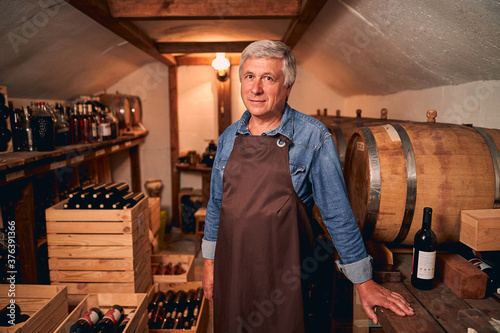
{"points": [[99, 251], [201, 325], [47, 306], [187, 262], [480, 229], [129, 302]]}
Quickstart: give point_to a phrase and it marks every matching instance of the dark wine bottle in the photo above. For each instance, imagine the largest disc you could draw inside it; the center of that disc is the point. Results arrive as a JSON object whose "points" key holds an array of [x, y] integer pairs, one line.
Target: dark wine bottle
{"points": [[492, 283], [157, 317], [424, 254], [109, 322], [87, 321], [11, 315], [123, 324], [169, 307], [157, 298]]}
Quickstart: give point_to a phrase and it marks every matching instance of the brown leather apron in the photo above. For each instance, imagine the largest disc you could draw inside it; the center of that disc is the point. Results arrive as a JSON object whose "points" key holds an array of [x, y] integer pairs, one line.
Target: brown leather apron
{"points": [[264, 234]]}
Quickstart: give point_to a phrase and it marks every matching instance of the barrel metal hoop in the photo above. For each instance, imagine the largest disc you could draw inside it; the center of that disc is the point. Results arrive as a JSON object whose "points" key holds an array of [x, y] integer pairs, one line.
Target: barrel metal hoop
{"points": [[411, 183], [375, 182], [341, 148], [495, 156]]}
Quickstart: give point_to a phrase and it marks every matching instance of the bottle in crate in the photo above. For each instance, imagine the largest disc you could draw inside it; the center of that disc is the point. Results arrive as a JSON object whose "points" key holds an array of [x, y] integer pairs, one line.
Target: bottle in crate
{"points": [[124, 323], [87, 321], [110, 321]]}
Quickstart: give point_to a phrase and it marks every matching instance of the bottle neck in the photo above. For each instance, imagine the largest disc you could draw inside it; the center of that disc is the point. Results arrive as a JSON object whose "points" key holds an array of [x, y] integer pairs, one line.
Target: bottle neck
{"points": [[427, 219]]}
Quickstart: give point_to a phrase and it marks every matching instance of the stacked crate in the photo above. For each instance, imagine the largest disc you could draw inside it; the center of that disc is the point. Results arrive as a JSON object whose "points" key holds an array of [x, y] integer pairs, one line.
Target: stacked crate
{"points": [[99, 250]]}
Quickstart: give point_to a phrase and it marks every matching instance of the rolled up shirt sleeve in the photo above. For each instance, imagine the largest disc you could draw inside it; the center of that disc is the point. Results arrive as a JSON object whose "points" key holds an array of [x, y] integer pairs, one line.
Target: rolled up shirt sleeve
{"points": [[357, 272]]}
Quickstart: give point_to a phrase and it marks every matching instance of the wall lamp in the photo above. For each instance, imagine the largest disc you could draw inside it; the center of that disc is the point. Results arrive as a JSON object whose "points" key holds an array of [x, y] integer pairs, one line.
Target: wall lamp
{"points": [[221, 65]]}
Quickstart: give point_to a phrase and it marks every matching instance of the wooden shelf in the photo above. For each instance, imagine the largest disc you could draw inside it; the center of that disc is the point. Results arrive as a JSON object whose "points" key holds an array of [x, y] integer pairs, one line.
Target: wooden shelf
{"points": [[31, 182], [18, 165]]}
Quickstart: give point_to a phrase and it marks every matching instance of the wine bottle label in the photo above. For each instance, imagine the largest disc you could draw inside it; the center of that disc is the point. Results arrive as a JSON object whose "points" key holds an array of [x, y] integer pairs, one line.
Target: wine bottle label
{"points": [[113, 314], [91, 317], [479, 264], [426, 264], [105, 129]]}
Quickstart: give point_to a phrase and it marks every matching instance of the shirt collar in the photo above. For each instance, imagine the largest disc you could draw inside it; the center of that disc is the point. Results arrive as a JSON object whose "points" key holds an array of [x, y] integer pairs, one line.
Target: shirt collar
{"points": [[285, 128]]}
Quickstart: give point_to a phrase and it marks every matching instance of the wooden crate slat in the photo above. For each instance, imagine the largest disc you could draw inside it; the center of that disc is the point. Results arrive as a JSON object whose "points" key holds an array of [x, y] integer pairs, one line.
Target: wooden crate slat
{"points": [[89, 239], [50, 325], [31, 291], [91, 264], [83, 252], [92, 276], [98, 227], [85, 288]]}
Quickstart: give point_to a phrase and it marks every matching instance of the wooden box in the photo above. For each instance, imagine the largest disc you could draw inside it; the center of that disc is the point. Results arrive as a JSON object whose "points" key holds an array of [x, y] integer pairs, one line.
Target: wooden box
{"points": [[47, 306], [99, 251], [129, 302], [480, 229], [203, 318], [187, 262], [461, 276]]}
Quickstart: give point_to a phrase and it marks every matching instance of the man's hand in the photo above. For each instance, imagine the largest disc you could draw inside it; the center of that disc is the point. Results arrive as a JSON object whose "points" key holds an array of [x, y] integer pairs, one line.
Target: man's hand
{"points": [[208, 278], [372, 294]]}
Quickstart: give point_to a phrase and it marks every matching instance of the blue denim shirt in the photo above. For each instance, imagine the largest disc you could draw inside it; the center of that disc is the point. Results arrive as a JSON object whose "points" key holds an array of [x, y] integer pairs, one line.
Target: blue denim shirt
{"points": [[317, 178]]}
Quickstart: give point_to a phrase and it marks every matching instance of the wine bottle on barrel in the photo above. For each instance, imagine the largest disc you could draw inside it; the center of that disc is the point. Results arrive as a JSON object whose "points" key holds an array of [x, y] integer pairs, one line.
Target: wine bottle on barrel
{"points": [[424, 254]]}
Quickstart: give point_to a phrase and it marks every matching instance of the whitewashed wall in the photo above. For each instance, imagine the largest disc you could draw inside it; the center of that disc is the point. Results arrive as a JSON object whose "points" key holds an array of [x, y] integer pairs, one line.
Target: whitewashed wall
{"points": [[150, 83], [475, 103]]}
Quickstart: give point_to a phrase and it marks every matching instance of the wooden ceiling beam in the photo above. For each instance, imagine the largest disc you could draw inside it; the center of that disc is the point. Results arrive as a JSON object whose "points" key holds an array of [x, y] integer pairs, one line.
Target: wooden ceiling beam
{"points": [[170, 9], [300, 25], [99, 11], [203, 47], [203, 60]]}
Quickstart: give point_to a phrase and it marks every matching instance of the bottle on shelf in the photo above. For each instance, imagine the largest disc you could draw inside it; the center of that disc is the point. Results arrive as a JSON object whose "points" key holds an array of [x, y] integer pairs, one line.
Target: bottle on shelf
{"points": [[18, 134], [424, 254], [85, 124], [42, 125], [28, 133], [62, 127], [87, 321], [123, 324], [74, 122], [110, 321]]}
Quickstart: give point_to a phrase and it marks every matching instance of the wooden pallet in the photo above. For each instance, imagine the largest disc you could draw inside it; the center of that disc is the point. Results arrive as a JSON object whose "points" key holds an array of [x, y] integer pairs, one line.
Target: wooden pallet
{"points": [[47, 306]]}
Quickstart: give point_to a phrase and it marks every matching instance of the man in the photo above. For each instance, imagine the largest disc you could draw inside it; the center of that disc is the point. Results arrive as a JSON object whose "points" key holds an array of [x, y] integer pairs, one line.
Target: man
{"points": [[271, 167]]}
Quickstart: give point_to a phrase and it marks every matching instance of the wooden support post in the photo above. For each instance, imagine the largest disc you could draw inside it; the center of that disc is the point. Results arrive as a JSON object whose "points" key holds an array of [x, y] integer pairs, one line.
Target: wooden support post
{"points": [[135, 168], [174, 142]]}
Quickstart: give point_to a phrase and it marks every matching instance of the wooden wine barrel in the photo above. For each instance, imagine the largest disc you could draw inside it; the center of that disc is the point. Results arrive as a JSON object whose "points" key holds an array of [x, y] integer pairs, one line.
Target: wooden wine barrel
{"points": [[393, 171], [136, 110]]}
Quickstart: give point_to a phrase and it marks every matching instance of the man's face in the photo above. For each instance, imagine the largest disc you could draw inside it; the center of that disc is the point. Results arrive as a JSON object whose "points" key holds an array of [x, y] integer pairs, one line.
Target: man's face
{"points": [[262, 89]]}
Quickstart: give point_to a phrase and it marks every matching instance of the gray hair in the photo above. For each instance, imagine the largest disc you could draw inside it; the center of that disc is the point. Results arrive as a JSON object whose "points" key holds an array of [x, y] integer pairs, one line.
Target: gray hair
{"points": [[272, 49]]}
